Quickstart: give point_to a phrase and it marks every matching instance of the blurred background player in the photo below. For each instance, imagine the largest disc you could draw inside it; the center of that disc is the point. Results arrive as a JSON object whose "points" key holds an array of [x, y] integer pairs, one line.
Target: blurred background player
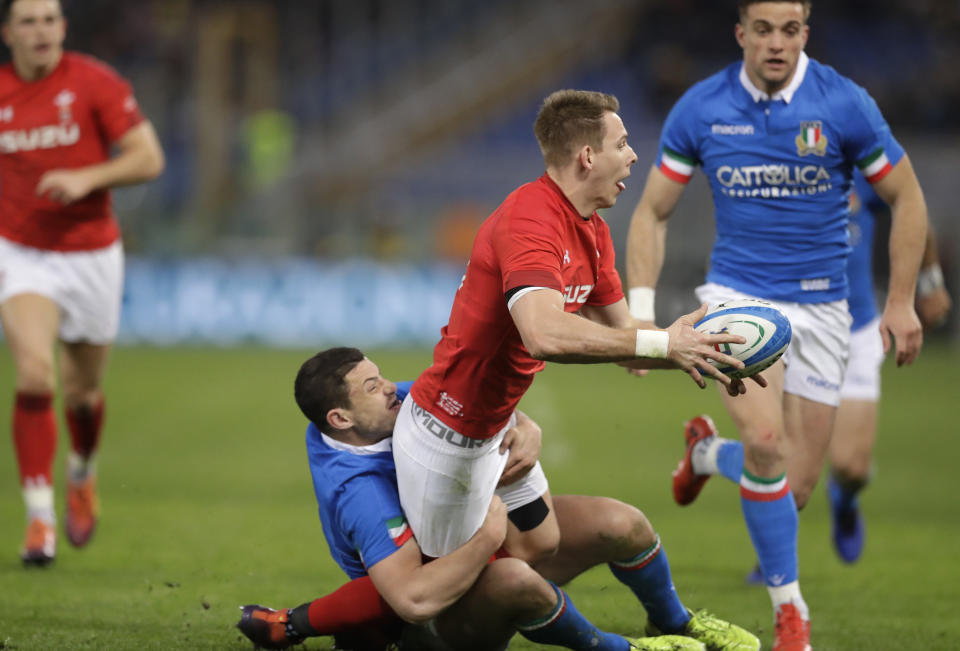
{"points": [[778, 136], [61, 261], [855, 427], [542, 257], [467, 603]]}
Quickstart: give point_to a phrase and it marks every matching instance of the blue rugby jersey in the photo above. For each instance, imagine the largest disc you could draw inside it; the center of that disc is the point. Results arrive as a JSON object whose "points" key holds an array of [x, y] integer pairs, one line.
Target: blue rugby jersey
{"points": [[862, 300], [780, 170], [358, 500]]}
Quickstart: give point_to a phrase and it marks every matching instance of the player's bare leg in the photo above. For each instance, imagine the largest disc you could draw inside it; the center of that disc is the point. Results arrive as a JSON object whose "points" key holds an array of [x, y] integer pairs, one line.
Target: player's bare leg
{"points": [[82, 367], [809, 428], [30, 323], [769, 508], [851, 462], [537, 543]]}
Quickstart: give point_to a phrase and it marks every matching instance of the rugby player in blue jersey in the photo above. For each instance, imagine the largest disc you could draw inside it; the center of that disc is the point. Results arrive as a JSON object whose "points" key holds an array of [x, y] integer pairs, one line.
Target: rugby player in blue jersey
{"points": [[854, 430], [459, 601], [778, 136]]}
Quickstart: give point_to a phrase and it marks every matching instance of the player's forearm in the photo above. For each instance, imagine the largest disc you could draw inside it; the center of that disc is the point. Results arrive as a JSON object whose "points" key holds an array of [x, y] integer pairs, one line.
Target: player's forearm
{"points": [[908, 236], [646, 241], [570, 339], [140, 158], [436, 585]]}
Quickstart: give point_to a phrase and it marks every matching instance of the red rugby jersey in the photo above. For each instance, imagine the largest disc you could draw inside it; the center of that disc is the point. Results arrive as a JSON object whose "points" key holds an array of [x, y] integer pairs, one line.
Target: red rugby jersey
{"points": [[67, 119], [535, 238]]}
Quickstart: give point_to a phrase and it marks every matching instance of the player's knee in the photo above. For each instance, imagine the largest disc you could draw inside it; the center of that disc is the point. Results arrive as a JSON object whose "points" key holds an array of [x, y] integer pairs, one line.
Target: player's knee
{"points": [[627, 529], [763, 452], [34, 373], [81, 398], [513, 581]]}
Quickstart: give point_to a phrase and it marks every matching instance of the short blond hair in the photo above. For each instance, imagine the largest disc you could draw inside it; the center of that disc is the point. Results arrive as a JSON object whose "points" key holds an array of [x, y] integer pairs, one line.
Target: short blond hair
{"points": [[569, 119]]}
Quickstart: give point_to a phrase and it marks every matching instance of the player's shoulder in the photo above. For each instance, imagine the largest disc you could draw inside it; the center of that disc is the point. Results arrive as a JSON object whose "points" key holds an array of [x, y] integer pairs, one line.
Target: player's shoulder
{"points": [[90, 67], [830, 83], [528, 202]]}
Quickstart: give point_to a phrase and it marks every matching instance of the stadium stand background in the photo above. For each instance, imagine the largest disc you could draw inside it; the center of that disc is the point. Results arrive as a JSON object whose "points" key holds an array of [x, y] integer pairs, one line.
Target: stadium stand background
{"points": [[329, 160]]}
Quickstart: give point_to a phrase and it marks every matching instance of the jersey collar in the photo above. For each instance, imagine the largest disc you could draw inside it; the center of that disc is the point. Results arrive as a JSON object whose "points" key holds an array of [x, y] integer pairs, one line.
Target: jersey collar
{"points": [[786, 94], [386, 445]]}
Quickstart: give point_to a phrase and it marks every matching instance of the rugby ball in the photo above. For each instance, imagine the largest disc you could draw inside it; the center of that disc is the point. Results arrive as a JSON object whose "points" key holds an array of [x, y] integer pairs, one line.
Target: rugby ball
{"points": [[764, 326]]}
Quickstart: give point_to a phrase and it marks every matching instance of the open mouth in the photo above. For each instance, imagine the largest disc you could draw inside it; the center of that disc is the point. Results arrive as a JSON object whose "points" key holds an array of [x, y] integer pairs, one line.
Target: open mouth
{"points": [[394, 404]]}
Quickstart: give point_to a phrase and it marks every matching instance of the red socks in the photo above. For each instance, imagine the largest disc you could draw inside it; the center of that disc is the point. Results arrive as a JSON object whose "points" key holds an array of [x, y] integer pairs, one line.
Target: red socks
{"points": [[85, 424], [355, 605], [34, 436]]}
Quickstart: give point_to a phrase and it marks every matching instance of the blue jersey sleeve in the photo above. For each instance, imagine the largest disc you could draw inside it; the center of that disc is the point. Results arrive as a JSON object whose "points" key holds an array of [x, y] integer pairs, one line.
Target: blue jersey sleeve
{"points": [[868, 141], [403, 388], [370, 518], [679, 152]]}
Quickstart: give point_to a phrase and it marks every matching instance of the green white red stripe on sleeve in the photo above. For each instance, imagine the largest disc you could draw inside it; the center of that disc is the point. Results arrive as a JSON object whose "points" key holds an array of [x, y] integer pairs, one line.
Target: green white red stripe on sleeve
{"points": [[875, 166], [676, 166]]}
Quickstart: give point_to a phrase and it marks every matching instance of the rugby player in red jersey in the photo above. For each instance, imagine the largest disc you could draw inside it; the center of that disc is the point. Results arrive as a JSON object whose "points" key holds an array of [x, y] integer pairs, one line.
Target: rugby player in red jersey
{"points": [[61, 260], [539, 264]]}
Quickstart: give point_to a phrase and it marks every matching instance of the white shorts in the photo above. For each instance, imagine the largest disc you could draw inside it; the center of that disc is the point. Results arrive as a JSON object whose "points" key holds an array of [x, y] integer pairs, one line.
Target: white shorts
{"points": [[446, 480], [86, 285], [862, 381], [816, 359]]}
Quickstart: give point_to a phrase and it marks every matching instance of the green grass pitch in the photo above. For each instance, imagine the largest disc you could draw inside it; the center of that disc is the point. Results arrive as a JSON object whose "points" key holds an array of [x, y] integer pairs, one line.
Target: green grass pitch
{"points": [[207, 505]]}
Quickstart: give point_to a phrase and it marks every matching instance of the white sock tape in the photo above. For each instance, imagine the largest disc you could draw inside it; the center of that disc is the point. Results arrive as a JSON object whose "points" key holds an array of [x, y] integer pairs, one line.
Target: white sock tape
{"points": [[929, 280], [652, 343]]}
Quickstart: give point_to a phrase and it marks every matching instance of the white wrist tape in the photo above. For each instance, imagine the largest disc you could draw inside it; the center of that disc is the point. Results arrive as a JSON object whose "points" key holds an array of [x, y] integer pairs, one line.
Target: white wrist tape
{"points": [[641, 303], [929, 280], [652, 343]]}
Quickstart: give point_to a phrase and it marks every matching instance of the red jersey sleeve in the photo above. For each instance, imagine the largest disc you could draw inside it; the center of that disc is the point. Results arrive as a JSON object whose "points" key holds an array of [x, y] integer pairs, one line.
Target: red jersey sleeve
{"points": [[609, 289], [529, 246], [114, 105]]}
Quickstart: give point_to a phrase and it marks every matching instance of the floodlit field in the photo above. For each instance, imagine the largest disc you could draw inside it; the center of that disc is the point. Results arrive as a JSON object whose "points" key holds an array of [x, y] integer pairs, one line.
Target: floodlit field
{"points": [[207, 505]]}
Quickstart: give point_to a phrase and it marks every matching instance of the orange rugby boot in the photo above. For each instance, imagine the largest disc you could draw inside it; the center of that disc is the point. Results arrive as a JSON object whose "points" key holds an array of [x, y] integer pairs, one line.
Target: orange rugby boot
{"points": [[266, 627], [82, 510], [686, 483], [39, 544]]}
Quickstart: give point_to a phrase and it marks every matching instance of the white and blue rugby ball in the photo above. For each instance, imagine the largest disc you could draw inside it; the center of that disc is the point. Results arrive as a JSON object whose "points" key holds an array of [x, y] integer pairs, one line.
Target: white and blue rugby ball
{"points": [[764, 326]]}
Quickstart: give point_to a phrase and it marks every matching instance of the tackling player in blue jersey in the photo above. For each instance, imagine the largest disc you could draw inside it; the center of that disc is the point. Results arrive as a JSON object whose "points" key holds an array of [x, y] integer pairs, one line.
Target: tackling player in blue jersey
{"points": [[778, 136], [466, 603]]}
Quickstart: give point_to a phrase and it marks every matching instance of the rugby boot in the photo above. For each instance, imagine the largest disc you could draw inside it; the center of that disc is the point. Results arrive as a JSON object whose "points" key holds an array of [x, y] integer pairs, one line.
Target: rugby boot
{"points": [[665, 643], [846, 523], [83, 508], [39, 544], [792, 631], [686, 483], [714, 633], [267, 628]]}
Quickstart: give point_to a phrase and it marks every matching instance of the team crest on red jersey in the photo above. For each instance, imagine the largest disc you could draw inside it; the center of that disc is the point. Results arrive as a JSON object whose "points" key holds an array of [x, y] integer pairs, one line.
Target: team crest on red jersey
{"points": [[63, 101], [811, 139]]}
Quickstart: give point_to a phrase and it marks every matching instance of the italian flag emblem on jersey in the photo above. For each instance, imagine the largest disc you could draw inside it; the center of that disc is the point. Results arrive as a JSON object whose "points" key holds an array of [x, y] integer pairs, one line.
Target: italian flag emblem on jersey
{"points": [[811, 139], [675, 166], [875, 166], [398, 530]]}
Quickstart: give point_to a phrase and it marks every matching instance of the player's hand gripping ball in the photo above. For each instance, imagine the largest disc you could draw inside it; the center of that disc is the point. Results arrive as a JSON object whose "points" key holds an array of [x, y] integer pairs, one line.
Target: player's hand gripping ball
{"points": [[764, 326]]}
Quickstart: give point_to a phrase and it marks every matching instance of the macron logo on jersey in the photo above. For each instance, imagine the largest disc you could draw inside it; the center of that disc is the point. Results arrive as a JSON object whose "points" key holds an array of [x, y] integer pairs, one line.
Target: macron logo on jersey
{"points": [[6, 114], [733, 129], [47, 137]]}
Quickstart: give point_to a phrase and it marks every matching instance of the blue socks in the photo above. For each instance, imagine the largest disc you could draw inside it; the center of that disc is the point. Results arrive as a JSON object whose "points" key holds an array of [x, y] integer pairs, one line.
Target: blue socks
{"points": [[648, 575], [771, 515], [565, 626]]}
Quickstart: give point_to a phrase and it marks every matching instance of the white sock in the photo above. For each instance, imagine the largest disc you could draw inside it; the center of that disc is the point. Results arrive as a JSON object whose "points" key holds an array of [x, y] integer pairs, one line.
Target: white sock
{"points": [[789, 594], [38, 497], [78, 468], [704, 455]]}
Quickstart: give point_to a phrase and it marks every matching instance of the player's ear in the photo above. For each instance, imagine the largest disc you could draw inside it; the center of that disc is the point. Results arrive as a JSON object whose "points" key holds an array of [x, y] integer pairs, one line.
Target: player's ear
{"points": [[339, 419], [739, 33], [585, 157]]}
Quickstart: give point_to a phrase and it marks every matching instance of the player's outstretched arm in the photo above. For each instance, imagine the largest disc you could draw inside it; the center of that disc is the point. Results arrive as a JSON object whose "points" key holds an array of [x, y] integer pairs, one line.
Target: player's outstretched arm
{"points": [[899, 323], [139, 158], [646, 241], [551, 334], [419, 591]]}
